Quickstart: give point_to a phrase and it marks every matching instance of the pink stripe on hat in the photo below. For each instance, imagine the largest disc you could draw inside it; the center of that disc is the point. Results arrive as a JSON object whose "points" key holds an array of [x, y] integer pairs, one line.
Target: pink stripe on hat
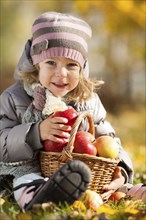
{"points": [[61, 35], [59, 52], [64, 24]]}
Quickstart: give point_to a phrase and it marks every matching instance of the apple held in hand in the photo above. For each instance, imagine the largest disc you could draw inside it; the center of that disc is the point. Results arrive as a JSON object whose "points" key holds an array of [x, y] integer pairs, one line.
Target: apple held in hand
{"points": [[107, 147], [71, 114], [83, 143]]}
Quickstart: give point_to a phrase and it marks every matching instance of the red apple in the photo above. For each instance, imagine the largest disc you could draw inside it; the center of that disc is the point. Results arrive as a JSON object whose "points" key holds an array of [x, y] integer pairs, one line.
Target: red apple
{"points": [[52, 146], [116, 196], [83, 143], [106, 147], [71, 114]]}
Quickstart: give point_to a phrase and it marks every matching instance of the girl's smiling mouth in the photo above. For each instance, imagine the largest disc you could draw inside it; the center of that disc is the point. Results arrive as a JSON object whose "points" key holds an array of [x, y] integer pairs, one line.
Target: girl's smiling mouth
{"points": [[59, 85]]}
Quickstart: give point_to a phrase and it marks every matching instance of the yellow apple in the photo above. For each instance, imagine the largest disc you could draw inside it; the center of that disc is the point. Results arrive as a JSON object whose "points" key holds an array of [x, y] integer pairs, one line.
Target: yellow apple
{"points": [[106, 147], [91, 199]]}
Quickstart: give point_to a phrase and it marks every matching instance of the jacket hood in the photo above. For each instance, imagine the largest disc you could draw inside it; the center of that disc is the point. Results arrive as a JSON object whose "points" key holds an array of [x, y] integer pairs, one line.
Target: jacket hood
{"points": [[25, 62]]}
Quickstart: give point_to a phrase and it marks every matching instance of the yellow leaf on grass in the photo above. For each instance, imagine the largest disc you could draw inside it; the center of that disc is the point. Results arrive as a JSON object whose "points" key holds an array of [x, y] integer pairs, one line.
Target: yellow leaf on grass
{"points": [[79, 205], [111, 211], [24, 216], [131, 211], [2, 201], [107, 210]]}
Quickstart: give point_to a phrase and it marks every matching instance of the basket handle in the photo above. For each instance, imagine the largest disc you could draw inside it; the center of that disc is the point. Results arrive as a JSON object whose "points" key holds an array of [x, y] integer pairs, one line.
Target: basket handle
{"points": [[66, 153]]}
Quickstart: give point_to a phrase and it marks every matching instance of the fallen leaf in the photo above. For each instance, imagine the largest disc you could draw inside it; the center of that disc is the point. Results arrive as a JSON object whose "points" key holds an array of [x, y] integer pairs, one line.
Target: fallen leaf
{"points": [[2, 201], [24, 216]]}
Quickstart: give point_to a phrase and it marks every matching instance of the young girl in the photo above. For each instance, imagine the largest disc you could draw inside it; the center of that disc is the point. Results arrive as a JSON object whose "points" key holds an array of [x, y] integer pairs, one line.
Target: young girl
{"points": [[52, 74]]}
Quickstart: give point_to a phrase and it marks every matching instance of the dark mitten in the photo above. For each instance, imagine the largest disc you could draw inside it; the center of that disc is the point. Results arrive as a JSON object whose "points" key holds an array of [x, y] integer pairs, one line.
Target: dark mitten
{"points": [[39, 98]]}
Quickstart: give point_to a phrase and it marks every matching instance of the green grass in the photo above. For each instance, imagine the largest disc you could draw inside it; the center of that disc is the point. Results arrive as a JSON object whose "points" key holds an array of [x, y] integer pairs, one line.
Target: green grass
{"points": [[49, 211]]}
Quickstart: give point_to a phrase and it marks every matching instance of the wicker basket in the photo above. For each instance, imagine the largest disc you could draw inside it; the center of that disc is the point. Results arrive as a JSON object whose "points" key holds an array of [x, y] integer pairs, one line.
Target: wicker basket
{"points": [[102, 169]]}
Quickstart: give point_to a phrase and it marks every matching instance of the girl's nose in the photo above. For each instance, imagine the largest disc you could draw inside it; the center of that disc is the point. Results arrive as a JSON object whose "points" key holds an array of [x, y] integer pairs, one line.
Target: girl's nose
{"points": [[61, 72]]}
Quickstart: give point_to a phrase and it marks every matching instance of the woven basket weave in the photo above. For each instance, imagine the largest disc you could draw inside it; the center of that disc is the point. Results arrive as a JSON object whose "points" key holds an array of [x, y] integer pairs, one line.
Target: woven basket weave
{"points": [[102, 169]]}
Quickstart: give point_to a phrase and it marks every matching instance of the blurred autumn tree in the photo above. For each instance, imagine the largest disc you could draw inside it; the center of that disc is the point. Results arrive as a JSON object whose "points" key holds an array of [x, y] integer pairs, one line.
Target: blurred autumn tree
{"points": [[119, 57], [116, 51]]}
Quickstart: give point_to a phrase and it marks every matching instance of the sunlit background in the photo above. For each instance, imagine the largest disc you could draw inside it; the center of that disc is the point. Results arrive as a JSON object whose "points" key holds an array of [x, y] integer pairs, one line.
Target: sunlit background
{"points": [[116, 55]]}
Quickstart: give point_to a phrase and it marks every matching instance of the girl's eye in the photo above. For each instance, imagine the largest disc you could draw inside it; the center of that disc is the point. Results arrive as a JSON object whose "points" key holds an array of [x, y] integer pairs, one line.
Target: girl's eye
{"points": [[72, 65], [51, 62]]}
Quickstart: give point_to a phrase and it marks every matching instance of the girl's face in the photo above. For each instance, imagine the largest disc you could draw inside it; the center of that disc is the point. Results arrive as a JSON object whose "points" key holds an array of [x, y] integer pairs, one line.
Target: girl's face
{"points": [[59, 75]]}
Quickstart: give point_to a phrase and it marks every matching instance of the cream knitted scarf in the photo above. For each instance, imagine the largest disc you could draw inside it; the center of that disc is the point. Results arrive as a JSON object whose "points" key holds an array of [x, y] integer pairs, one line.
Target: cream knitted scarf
{"points": [[51, 105]]}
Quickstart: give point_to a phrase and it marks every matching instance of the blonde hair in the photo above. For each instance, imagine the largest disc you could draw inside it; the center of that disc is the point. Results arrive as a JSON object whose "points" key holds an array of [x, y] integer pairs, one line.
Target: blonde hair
{"points": [[82, 92], [29, 77], [84, 89]]}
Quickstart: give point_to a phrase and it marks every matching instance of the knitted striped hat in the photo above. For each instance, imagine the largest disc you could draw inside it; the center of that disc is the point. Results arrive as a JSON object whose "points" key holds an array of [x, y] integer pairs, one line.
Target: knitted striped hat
{"points": [[60, 35]]}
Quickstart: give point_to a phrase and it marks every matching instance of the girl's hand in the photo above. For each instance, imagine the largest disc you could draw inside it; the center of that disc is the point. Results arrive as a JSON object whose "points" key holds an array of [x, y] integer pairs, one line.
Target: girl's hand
{"points": [[116, 183], [53, 126]]}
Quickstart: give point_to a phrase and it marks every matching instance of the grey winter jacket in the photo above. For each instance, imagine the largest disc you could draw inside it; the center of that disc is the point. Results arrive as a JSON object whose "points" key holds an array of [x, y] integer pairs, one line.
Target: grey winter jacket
{"points": [[20, 142]]}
